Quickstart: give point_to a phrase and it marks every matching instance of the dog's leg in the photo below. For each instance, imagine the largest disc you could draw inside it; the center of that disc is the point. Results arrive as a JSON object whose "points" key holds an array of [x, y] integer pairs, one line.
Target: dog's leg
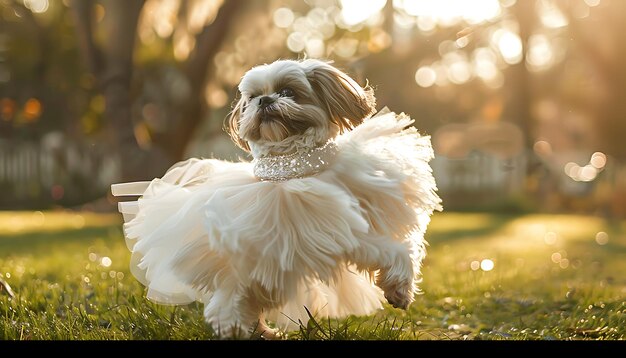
{"points": [[397, 280], [396, 276], [222, 312], [235, 315], [264, 330], [227, 307], [259, 299]]}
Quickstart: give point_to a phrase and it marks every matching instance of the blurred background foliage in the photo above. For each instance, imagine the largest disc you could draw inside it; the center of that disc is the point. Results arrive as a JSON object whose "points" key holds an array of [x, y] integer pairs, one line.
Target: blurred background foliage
{"points": [[524, 99]]}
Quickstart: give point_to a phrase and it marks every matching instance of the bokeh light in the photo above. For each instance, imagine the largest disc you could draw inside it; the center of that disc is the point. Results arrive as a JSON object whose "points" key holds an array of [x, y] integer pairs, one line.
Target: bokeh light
{"points": [[296, 42], [540, 55], [542, 147], [32, 109], [106, 261], [283, 17], [475, 265], [602, 238], [487, 265], [550, 238], [37, 6], [551, 15], [598, 160], [425, 76], [510, 46]]}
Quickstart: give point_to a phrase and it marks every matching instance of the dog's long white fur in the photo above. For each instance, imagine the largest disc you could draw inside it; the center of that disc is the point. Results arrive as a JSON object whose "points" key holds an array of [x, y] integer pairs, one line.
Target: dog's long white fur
{"points": [[210, 231]]}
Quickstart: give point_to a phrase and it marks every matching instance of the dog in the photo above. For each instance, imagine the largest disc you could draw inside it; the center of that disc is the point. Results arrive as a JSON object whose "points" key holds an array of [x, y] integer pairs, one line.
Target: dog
{"points": [[327, 219]]}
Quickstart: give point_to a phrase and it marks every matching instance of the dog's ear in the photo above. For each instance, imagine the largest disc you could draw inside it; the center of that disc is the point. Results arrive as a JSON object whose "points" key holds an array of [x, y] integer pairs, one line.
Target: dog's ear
{"points": [[345, 100], [232, 124]]}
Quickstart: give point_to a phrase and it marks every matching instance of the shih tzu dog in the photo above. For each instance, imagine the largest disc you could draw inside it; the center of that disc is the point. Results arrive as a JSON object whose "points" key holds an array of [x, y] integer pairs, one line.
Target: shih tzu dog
{"points": [[328, 218]]}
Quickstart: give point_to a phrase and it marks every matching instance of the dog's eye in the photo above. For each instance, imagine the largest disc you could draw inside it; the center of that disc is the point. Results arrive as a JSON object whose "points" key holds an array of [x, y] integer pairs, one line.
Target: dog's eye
{"points": [[286, 92]]}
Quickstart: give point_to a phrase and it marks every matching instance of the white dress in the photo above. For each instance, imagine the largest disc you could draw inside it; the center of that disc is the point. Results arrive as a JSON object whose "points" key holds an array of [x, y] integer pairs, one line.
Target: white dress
{"points": [[207, 213]]}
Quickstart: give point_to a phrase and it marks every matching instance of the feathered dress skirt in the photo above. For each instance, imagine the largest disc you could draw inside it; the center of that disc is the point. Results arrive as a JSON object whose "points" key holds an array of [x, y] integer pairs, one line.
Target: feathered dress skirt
{"points": [[208, 220]]}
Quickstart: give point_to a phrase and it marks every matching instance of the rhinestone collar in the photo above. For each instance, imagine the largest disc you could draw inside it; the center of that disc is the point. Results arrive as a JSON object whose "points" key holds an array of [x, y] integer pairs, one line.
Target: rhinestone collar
{"points": [[303, 163]]}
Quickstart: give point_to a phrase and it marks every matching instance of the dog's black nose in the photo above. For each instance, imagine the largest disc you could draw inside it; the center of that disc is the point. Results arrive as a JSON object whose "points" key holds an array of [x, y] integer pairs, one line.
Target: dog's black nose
{"points": [[266, 101]]}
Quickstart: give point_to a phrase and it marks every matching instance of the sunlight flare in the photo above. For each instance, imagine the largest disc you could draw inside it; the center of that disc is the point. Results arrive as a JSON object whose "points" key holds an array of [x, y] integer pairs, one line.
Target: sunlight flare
{"points": [[356, 11], [450, 12]]}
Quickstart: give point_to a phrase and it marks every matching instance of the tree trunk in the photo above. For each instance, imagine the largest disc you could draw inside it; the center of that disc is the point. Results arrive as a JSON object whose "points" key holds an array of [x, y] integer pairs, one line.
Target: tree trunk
{"points": [[519, 110], [120, 25], [609, 112], [83, 12], [112, 65]]}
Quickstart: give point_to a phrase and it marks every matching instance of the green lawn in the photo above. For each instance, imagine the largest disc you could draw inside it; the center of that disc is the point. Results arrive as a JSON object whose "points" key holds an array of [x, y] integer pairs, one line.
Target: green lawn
{"points": [[553, 277]]}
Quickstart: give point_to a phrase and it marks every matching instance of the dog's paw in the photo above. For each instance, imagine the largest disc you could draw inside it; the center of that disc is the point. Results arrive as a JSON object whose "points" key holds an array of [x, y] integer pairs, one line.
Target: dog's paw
{"points": [[262, 331], [398, 292], [272, 334], [399, 298]]}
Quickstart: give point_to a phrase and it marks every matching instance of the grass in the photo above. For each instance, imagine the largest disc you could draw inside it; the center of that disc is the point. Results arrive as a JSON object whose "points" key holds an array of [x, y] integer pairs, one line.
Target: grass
{"points": [[553, 277]]}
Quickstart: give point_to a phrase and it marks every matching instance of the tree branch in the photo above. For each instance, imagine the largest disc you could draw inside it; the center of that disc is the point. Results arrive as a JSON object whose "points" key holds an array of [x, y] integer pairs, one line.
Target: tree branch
{"points": [[198, 69], [209, 41]]}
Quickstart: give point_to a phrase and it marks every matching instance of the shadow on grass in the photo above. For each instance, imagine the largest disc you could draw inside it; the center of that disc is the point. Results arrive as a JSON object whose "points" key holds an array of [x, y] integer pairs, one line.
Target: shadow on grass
{"points": [[38, 241], [34, 241], [612, 247], [436, 235]]}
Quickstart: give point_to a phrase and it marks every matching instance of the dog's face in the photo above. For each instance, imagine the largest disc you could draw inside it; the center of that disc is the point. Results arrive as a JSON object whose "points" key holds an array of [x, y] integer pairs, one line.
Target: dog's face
{"points": [[286, 97]]}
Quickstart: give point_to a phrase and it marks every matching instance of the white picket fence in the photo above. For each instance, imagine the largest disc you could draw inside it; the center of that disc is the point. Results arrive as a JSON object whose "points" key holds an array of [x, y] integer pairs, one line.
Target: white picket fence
{"points": [[480, 172], [33, 170]]}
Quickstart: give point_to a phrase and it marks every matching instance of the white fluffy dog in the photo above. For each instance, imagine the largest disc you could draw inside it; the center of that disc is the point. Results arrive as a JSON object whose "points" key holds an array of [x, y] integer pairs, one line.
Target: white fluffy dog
{"points": [[329, 215]]}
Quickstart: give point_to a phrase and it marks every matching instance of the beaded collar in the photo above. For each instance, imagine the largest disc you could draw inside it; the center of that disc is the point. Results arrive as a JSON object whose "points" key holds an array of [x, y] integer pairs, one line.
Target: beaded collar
{"points": [[303, 163]]}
